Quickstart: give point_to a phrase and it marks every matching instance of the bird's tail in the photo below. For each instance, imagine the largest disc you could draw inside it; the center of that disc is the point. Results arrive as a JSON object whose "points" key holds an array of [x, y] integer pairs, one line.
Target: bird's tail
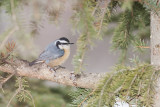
{"points": [[35, 62]]}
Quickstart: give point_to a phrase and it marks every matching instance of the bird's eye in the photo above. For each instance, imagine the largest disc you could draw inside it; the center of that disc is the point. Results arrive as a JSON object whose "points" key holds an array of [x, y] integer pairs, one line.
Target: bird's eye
{"points": [[58, 43]]}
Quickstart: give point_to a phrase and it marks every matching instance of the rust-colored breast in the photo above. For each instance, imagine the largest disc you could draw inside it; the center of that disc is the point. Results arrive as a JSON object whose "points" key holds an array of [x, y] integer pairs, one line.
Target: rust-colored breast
{"points": [[60, 60]]}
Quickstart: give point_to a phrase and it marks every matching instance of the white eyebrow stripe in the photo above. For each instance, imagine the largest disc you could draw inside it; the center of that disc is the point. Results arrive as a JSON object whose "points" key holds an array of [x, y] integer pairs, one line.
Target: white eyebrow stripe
{"points": [[62, 41]]}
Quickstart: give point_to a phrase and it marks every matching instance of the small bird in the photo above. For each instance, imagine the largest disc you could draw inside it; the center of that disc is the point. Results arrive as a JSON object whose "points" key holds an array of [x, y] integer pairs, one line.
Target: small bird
{"points": [[55, 53]]}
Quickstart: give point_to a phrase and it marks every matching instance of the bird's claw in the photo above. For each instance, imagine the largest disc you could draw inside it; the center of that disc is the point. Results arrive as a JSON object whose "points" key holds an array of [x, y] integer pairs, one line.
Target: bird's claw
{"points": [[74, 76], [58, 67], [52, 71]]}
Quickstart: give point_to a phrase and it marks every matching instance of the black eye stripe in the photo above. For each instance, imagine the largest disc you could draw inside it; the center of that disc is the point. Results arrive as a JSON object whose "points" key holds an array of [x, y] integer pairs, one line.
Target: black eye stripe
{"points": [[58, 43], [66, 43]]}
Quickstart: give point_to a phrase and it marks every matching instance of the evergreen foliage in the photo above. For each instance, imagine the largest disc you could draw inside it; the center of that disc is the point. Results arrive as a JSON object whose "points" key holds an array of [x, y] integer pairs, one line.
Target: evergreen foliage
{"points": [[129, 22], [78, 96], [151, 5], [16, 92], [134, 85], [88, 19], [42, 95], [137, 85], [88, 16]]}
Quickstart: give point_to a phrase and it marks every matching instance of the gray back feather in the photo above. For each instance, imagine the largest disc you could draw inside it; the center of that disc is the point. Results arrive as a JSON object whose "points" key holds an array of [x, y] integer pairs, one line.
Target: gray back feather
{"points": [[51, 52]]}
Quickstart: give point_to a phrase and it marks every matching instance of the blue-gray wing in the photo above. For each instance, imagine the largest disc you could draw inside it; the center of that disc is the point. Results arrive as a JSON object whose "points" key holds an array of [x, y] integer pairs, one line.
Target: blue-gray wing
{"points": [[50, 54]]}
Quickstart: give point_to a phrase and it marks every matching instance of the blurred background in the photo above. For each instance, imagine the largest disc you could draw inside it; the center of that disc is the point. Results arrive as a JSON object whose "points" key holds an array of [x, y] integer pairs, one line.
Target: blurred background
{"points": [[40, 22], [49, 29]]}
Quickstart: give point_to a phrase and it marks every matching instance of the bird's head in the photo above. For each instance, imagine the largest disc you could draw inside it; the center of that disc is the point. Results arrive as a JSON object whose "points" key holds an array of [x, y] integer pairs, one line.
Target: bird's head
{"points": [[63, 43]]}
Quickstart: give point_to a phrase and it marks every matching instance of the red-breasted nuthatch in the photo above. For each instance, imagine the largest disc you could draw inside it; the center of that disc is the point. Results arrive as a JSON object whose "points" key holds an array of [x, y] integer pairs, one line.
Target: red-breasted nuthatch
{"points": [[55, 53]]}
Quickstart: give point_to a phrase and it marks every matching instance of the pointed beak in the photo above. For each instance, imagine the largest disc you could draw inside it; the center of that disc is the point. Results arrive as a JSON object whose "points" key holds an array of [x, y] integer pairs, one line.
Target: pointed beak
{"points": [[67, 43]]}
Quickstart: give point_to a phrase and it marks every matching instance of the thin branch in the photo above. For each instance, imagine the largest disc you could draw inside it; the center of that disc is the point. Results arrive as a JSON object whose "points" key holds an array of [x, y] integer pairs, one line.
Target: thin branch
{"points": [[150, 84], [15, 27], [86, 98], [17, 91], [102, 5], [30, 96], [14, 18], [102, 91], [139, 90], [62, 76], [143, 47], [101, 22], [6, 79], [131, 84], [20, 88], [95, 8]]}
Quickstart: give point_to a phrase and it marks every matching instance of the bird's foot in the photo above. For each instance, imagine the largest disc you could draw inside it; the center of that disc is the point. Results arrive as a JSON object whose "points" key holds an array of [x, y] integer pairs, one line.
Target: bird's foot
{"points": [[74, 76], [51, 69], [58, 67], [61, 67]]}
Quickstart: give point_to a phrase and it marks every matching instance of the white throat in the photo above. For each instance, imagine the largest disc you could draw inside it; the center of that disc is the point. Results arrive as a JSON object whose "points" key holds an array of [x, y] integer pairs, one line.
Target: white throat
{"points": [[62, 46]]}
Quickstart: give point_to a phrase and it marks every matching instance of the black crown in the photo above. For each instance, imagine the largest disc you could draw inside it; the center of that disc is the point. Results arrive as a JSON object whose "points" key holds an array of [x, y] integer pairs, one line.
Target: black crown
{"points": [[64, 38]]}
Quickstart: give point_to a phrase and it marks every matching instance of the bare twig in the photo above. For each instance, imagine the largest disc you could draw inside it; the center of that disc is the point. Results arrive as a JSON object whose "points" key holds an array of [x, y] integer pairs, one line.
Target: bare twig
{"points": [[143, 46], [6, 79]]}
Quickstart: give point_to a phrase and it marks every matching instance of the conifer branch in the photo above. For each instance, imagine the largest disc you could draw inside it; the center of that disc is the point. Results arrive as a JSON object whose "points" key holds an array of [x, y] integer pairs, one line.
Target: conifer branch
{"points": [[14, 28], [9, 34], [103, 90], [14, 95], [86, 98], [41, 71], [26, 91]]}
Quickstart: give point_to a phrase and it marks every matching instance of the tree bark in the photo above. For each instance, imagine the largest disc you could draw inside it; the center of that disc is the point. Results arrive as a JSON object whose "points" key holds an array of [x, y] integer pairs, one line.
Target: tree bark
{"points": [[61, 76], [155, 50]]}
